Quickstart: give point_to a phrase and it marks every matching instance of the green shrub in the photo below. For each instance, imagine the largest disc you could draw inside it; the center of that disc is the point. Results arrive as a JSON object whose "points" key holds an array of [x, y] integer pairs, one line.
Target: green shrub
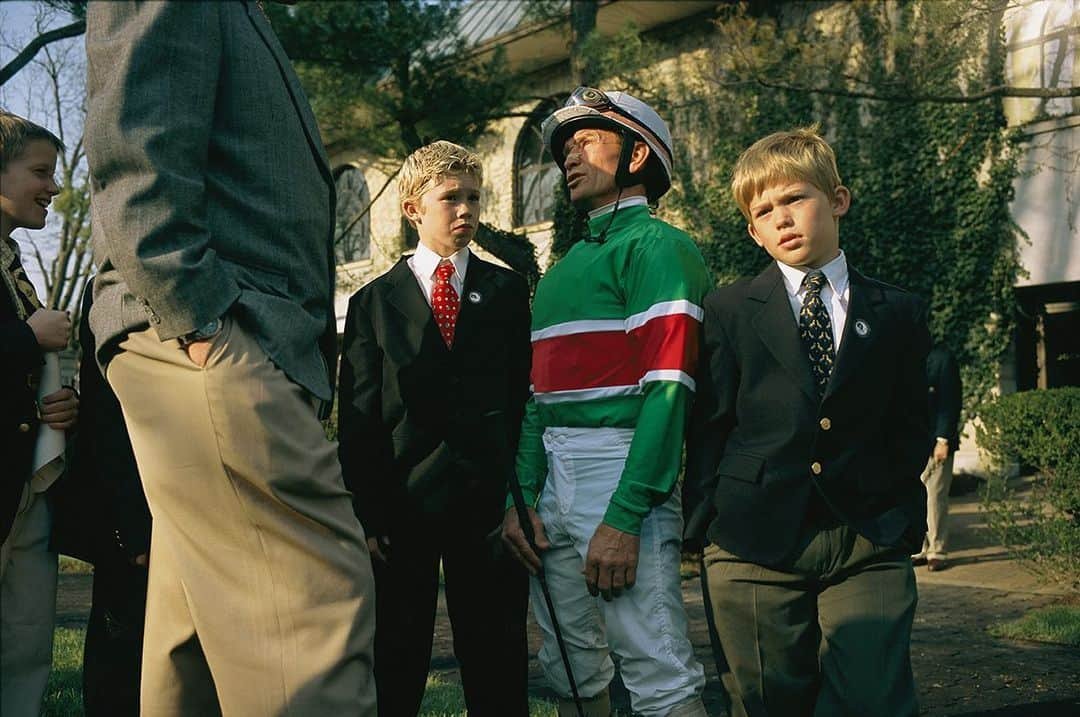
{"points": [[1040, 429]]}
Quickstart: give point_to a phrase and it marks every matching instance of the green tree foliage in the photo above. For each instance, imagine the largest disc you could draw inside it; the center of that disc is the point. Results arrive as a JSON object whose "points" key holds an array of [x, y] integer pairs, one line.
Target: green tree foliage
{"points": [[391, 75], [388, 76], [1040, 429], [888, 83]]}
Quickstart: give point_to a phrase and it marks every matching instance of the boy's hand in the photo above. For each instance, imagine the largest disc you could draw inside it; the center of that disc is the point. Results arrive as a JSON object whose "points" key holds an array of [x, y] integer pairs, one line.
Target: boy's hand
{"points": [[52, 329], [611, 563], [379, 548], [60, 410], [514, 539], [941, 451]]}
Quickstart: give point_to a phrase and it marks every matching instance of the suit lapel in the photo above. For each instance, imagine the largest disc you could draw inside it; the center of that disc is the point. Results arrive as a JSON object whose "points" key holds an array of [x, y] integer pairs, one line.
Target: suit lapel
{"points": [[860, 331], [476, 295], [775, 325], [299, 99], [407, 298]]}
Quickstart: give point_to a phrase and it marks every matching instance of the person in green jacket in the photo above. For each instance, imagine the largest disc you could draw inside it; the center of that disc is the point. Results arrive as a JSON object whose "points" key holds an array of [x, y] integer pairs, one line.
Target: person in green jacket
{"points": [[615, 334]]}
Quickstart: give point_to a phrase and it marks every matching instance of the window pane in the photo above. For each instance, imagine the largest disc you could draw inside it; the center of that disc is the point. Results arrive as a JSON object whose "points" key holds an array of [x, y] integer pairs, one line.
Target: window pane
{"points": [[537, 174], [352, 234]]}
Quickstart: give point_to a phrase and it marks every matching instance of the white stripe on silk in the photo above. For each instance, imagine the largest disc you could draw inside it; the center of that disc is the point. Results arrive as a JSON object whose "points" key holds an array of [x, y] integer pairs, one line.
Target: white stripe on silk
{"points": [[636, 321]]}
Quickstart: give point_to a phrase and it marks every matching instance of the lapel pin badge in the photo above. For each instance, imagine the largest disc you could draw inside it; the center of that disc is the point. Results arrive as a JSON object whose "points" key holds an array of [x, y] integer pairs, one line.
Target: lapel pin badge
{"points": [[862, 329], [474, 297]]}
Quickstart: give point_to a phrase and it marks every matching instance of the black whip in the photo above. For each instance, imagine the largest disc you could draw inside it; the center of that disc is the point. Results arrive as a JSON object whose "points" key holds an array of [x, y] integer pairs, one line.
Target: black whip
{"points": [[530, 537]]}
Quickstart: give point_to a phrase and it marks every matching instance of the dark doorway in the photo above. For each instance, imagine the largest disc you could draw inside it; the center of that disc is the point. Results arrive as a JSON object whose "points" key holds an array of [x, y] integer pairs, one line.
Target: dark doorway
{"points": [[1048, 336]]}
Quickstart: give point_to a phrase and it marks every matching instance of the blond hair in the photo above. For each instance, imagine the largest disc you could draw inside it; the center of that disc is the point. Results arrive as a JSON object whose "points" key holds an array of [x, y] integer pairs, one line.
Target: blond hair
{"points": [[796, 155], [430, 164], [16, 132]]}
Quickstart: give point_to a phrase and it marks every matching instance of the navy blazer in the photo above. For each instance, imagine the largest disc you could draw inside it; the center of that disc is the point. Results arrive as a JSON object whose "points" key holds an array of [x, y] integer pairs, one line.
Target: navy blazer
{"points": [[21, 360], [425, 430], [762, 445], [946, 395]]}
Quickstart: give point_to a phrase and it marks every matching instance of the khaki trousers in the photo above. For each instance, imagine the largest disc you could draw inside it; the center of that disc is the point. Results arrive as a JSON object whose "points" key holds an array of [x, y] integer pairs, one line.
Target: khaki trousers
{"points": [[260, 598], [937, 477], [826, 634], [27, 608]]}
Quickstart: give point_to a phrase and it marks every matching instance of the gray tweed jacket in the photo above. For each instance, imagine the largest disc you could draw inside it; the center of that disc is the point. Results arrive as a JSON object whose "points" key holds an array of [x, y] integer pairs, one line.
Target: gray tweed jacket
{"points": [[211, 188]]}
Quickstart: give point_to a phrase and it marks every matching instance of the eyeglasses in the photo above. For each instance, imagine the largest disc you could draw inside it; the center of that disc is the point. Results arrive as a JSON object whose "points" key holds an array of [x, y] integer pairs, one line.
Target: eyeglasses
{"points": [[583, 139]]}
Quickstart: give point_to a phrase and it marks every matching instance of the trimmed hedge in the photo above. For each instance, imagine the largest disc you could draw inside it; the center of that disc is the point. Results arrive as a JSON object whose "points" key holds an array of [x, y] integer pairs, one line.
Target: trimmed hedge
{"points": [[1040, 429]]}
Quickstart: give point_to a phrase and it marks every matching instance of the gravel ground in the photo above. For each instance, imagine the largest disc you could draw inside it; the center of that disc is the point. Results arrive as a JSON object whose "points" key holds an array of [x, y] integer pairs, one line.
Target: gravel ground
{"points": [[960, 670]]}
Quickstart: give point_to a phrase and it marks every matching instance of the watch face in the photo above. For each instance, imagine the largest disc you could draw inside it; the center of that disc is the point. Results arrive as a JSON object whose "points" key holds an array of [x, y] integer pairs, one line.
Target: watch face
{"points": [[211, 328], [352, 230]]}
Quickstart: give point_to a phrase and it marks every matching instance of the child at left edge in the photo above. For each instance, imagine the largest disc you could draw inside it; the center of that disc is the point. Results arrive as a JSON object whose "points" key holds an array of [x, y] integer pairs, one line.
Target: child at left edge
{"points": [[28, 331]]}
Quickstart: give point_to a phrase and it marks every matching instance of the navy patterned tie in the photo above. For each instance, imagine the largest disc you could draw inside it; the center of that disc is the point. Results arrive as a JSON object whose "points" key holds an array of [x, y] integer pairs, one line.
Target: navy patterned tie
{"points": [[815, 330]]}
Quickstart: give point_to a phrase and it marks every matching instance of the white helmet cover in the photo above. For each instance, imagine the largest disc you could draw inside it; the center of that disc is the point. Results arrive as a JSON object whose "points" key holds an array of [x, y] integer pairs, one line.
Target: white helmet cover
{"points": [[590, 106]]}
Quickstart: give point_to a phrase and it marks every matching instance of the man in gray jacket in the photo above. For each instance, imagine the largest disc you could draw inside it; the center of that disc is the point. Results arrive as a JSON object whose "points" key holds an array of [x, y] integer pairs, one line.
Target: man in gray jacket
{"points": [[213, 311]]}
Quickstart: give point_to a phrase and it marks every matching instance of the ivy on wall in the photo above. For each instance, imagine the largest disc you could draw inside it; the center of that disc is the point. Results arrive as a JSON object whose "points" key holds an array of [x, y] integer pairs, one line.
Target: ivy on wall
{"points": [[931, 182]]}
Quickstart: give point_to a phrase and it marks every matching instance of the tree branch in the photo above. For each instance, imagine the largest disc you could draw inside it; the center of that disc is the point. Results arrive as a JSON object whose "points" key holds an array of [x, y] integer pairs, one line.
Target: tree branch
{"points": [[23, 58], [999, 91]]}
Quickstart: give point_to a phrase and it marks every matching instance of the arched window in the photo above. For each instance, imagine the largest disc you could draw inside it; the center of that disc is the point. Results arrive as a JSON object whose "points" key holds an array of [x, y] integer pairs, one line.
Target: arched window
{"points": [[352, 232], [536, 175]]}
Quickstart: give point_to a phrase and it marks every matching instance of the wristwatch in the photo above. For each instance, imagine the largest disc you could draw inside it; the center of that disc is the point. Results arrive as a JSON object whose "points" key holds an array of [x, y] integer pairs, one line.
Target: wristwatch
{"points": [[207, 331]]}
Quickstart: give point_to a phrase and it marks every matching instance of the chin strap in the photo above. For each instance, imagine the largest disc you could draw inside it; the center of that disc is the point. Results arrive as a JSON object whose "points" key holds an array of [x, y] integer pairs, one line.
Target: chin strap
{"points": [[623, 179], [602, 237]]}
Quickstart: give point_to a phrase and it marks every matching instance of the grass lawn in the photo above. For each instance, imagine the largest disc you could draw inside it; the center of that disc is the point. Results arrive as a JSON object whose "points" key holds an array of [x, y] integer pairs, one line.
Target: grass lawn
{"points": [[63, 697], [1058, 624]]}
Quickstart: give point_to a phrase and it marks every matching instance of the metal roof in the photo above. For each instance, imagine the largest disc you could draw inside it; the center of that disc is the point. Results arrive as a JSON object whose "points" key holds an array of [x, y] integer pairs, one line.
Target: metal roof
{"points": [[483, 20]]}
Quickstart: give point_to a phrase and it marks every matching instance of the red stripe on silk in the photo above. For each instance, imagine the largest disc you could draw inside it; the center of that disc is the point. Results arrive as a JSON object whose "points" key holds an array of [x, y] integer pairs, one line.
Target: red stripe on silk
{"points": [[613, 358]]}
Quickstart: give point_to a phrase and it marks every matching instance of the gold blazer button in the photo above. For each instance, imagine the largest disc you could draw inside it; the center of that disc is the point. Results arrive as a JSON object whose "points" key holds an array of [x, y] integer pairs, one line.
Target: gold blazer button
{"points": [[825, 424], [815, 468], [24, 428]]}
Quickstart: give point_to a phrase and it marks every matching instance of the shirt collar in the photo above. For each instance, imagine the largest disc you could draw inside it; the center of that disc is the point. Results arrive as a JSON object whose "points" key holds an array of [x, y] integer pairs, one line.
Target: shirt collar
{"points": [[426, 261], [633, 200], [836, 273]]}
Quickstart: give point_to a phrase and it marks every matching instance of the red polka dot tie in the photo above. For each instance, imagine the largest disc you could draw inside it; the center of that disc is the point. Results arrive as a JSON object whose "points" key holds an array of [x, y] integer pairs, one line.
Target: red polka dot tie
{"points": [[445, 302]]}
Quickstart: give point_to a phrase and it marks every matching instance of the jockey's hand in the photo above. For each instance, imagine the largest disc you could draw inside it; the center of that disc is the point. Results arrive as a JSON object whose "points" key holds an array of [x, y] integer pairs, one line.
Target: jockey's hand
{"points": [[611, 563], [514, 539]]}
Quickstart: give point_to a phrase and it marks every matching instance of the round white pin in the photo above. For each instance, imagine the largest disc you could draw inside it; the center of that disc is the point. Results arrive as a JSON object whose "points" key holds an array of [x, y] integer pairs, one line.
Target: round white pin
{"points": [[474, 297], [862, 329]]}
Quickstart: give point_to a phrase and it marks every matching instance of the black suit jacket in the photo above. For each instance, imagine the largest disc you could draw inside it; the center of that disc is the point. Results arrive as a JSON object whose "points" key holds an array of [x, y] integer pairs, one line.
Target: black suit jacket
{"points": [[763, 447], [21, 360], [946, 395], [425, 430], [100, 511]]}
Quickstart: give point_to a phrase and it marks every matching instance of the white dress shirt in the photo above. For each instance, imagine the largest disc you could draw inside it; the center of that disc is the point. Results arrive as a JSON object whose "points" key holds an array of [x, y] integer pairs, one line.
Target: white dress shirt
{"points": [[424, 262], [835, 294]]}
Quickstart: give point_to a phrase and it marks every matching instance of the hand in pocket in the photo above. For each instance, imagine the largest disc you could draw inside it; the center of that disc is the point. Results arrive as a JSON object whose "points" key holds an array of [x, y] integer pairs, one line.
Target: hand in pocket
{"points": [[199, 351]]}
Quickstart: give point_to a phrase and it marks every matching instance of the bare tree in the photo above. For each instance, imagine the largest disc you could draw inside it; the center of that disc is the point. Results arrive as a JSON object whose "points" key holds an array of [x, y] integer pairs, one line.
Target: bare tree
{"points": [[76, 8]]}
